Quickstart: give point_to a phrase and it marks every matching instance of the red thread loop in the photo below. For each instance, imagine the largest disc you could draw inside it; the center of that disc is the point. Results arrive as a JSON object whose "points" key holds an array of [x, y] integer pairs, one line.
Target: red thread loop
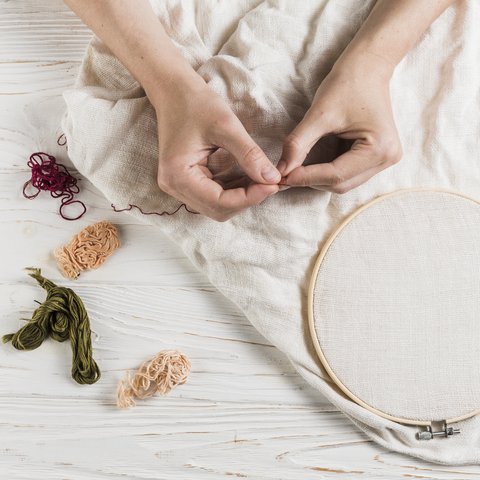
{"points": [[62, 140], [130, 206], [53, 177]]}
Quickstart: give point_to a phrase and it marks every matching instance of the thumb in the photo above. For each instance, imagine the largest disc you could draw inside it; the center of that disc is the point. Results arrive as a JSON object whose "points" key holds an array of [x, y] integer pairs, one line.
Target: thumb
{"points": [[300, 141], [249, 156]]}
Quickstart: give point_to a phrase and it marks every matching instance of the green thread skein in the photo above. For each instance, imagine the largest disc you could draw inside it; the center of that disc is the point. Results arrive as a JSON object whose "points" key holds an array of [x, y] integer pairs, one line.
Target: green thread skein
{"points": [[61, 316]]}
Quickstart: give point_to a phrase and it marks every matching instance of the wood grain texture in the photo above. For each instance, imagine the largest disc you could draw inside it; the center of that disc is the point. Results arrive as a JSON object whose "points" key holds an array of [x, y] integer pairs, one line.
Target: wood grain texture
{"points": [[243, 412]]}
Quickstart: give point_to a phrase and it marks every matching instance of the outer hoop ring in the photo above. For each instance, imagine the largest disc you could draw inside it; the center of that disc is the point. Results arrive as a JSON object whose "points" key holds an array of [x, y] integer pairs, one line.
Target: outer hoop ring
{"points": [[311, 319]]}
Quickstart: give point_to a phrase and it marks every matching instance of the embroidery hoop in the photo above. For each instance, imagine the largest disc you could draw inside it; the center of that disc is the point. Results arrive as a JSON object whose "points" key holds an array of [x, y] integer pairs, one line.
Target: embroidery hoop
{"points": [[328, 363]]}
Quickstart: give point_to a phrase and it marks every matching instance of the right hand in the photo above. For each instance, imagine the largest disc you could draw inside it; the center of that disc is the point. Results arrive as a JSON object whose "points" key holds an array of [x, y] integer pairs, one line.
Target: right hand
{"points": [[352, 103], [193, 122]]}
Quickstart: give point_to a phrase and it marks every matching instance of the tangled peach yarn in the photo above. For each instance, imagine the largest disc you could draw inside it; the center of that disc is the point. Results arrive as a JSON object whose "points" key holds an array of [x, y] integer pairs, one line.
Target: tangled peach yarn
{"points": [[160, 374], [88, 249]]}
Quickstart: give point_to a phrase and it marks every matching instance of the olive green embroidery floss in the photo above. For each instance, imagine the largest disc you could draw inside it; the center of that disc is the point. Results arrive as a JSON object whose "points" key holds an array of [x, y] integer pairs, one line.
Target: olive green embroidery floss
{"points": [[61, 316]]}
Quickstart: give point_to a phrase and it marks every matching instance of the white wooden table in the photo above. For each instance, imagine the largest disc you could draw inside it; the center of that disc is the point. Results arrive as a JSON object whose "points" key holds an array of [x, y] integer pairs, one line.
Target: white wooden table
{"points": [[243, 413]]}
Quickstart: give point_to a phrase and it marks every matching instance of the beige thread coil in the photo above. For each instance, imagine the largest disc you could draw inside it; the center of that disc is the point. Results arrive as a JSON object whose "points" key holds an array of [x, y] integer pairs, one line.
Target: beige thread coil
{"points": [[88, 249], [161, 374]]}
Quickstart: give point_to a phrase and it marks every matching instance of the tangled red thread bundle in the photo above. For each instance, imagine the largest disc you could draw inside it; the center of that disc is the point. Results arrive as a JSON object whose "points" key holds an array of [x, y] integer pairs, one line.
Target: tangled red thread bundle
{"points": [[53, 177]]}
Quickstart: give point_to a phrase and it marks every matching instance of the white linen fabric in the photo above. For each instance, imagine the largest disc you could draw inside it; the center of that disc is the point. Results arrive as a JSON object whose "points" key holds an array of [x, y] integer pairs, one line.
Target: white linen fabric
{"points": [[267, 57]]}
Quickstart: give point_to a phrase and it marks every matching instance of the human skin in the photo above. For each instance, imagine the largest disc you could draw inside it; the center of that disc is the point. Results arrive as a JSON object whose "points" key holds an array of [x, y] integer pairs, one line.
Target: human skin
{"points": [[352, 102], [193, 121]]}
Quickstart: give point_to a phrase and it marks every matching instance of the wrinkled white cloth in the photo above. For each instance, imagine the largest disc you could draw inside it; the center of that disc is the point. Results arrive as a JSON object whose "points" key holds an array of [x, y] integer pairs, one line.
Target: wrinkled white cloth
{"points": [[267, 57]]}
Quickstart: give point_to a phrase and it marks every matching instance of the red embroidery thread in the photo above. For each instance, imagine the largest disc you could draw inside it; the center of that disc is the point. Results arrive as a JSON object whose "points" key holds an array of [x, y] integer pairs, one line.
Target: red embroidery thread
{"points": [[61, 142], [53, 177], [130, 206]]}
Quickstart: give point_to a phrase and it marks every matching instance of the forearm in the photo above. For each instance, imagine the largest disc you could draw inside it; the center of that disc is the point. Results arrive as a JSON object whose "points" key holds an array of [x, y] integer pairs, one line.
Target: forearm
{"points": [[390, 31], [133, 33]]}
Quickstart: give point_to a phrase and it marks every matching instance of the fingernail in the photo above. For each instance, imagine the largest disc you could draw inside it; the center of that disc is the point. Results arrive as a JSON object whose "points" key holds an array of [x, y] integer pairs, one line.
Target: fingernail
{"points": [[270, 174], [281, 166]]}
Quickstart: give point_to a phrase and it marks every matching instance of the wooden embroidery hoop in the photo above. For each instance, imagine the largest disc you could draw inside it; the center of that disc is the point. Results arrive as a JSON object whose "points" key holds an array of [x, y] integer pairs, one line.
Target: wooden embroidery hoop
{"points": [[311, 319]]}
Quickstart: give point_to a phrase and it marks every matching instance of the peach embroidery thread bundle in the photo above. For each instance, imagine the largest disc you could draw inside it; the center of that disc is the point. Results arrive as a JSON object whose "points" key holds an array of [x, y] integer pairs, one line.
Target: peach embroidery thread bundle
{"points": [[164, 371], [88, 249]]}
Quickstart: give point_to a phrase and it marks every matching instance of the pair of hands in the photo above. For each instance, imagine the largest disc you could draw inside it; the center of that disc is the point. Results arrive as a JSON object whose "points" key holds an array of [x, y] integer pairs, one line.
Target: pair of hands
{"points": [[196, 126], [195, 122]]}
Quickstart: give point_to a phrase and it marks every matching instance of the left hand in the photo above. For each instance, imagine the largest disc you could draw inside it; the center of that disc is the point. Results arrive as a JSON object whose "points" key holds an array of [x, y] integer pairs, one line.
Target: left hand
{"points": [[352, 103]]}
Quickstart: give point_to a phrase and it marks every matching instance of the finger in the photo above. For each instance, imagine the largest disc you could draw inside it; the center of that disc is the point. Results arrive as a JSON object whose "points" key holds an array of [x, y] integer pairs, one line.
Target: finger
{"points": [[236, 140], [359, 179], [300, 141], [343, 169], [367, 174], [352, 183], [209, 198]]}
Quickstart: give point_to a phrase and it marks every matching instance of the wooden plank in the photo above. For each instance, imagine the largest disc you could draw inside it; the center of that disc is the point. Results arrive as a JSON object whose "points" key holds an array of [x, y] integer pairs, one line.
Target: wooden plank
{"points": [[47, 78], [230, 359], [40, 31]]}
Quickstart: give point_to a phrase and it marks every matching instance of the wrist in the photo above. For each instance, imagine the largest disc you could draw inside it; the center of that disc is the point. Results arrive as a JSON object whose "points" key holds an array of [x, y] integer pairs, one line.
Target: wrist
{"points": [[360, 62], [162, 84]]}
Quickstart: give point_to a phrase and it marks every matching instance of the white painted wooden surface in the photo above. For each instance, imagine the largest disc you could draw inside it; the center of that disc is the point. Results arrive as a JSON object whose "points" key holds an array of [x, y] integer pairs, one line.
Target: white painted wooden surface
{"points": [[243, 413]]}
